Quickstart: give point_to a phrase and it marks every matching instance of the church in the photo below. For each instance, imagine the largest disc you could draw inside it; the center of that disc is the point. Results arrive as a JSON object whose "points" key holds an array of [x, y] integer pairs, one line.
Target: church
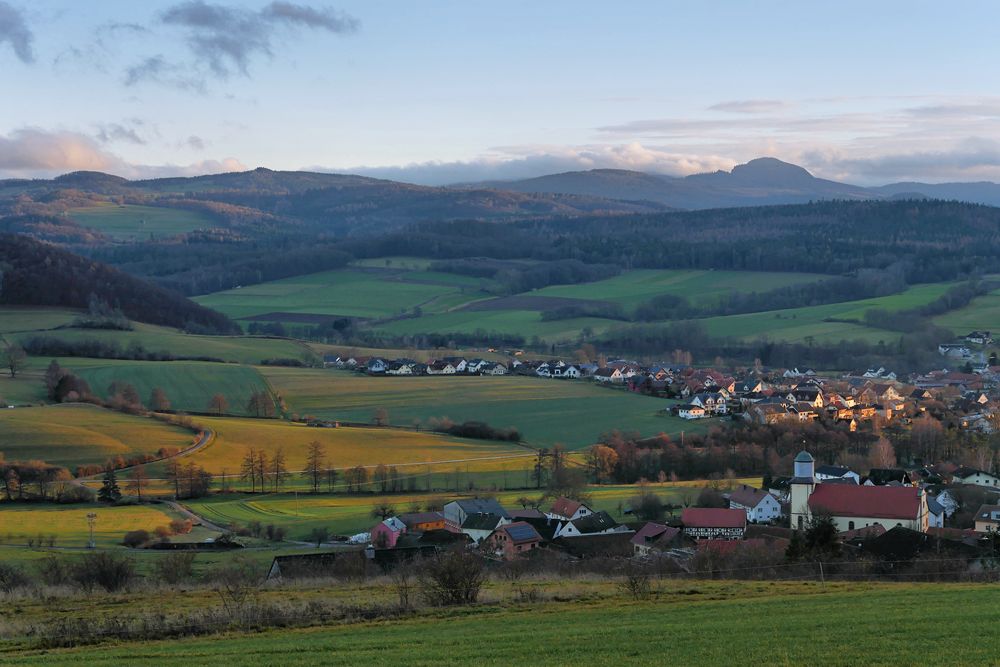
{"points": [[852, 506]]}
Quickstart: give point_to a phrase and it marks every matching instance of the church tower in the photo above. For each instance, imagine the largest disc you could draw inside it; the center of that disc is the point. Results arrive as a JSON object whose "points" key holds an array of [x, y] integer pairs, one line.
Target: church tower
{"points": [[802, 487]]}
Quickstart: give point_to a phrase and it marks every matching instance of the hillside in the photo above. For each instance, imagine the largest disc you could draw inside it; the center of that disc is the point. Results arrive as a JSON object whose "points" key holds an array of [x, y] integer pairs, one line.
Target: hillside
{"points": [[764, 181], [39, 274]]}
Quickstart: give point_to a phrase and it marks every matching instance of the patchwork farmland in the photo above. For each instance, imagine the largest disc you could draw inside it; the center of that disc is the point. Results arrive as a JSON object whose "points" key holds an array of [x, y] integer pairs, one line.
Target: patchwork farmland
{"points": [[130, 222]]}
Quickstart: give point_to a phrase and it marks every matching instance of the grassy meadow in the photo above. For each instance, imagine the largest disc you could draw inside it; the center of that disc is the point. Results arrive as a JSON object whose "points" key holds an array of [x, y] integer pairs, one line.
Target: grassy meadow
{"points": [[983, 314], [545, 411], [345, 447], [188, 384], [699, 287], [131, 222], [68, 523], [704, 622], [360, 292], [78, 434]]}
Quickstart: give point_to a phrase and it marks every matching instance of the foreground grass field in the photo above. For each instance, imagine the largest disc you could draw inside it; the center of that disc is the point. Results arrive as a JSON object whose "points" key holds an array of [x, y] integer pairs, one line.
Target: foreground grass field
{"points": [[345, 447], [131, 222], [72, 435], [689, 623], [545, 411]]}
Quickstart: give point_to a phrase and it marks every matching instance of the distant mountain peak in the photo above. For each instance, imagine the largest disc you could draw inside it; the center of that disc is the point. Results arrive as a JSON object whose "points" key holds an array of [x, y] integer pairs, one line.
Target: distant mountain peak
{"points": [[769, 170]]}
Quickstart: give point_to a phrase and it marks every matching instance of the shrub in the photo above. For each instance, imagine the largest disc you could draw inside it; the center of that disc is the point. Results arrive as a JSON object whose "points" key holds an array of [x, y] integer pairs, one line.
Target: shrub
{"points": [[71, 493], [11, 577], [453, 578], [53, 571], [181, 526], [174, 568], [107, 570], [135, 538]]}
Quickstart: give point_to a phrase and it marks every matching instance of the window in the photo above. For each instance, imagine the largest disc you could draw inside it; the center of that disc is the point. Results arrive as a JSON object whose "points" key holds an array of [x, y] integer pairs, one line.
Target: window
{"points": [[850, 525]]}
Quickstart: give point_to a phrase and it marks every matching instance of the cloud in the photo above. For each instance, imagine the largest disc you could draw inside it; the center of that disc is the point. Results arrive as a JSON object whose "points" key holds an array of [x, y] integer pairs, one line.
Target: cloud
{"points": [[121, 132], [195, 142], [517, 162], [749, 106], [226, 39], [35, 153], [158, 70], [974, 158], [14, 30]]}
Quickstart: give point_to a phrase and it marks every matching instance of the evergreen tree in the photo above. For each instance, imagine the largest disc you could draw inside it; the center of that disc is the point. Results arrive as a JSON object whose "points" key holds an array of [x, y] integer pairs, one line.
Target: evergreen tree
{"points": [[109, 491]]}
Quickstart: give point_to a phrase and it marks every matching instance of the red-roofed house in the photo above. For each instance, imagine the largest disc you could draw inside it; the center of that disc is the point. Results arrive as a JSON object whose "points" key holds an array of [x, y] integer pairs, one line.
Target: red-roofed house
{"points": [[704, 523], [512, 540], [654, 537], [568, 510]]}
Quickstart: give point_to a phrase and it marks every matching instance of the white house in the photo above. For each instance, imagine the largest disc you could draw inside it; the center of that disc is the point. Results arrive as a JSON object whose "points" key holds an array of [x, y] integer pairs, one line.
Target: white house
{"points": [[377, 365], [826, 473], [491, 368], [566, 372], [441, 368], [760, 506], [713, 402], [597, 523], [973, 476], [612, 375], [690, 411]]}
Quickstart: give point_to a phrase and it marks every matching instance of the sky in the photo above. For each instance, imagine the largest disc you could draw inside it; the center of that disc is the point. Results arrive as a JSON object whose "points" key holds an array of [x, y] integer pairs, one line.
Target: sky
{"points": [[443, 92]]}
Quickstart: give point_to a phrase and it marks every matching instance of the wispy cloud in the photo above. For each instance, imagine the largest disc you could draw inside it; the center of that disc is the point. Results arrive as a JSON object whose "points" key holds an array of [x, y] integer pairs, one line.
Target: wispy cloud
{"points": [[14, 31], [127, 132], [226, 39], [749, 106]]}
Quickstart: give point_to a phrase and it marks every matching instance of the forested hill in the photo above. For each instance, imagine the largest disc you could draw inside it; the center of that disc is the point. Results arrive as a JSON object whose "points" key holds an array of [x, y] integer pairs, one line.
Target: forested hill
{"points": [[39, 274], [924, 240]]}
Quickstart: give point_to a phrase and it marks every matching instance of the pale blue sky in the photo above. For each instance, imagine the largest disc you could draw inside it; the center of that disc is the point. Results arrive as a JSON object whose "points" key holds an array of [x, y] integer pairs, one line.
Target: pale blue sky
{"points": [[438, 92]]}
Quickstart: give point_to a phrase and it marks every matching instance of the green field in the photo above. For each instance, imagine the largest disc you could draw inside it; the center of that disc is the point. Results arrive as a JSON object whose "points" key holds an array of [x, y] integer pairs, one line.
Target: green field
{"points": [[523, 322], [699, 287], [366, 293], [79, 434], [688, 623], [188, 384], [796, 324], [546, 411], [345, 447], [242, 349], [14, 319], [129, 222], [983, 314]]}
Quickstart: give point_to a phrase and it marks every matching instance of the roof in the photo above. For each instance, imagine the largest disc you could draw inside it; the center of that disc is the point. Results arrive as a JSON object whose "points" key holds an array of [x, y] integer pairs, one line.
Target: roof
{"points": [[885, 475], [481, 506], [803, 457], [654, 533], [748, 497], [529, 513], [481, 521], [521, 532], [706, 517], [565, 507], [394, 524], [833, 471], [411, 518], [881, 502], [608, 544], [595, 523], [965, 471], [986, 513]]}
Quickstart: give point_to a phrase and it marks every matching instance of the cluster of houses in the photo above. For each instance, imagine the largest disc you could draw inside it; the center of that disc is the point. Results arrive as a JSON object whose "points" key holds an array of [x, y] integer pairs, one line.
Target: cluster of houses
{"points": [[403, 366], [802, 396], [967, 348], [862, 507]]}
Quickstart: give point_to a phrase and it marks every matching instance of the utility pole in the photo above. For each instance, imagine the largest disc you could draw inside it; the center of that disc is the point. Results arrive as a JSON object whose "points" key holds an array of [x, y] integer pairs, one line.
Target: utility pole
{"points": [[91, 518]]}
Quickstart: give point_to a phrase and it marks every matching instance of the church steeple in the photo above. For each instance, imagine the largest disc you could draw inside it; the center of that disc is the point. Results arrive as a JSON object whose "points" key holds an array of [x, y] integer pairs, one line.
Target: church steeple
{"points": [[802, 485]]}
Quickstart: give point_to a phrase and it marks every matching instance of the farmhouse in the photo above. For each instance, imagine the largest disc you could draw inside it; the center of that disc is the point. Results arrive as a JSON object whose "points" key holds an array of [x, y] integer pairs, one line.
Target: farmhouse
{"points": [[386, 533], [690, 411], [760, 506], [423, 521], [480, 526], [654, 537], [512, 540], [609, 375], [457, 511], [702, 523], [598, 523]]}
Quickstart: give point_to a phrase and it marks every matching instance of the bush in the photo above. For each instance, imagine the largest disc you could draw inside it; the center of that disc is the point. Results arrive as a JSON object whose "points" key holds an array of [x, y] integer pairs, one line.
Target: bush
{"points": [[174, 568], [181, 526], [107, 570], [71, 493], [135, 538], [11, 577], [453, 578], [53, 571]]}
